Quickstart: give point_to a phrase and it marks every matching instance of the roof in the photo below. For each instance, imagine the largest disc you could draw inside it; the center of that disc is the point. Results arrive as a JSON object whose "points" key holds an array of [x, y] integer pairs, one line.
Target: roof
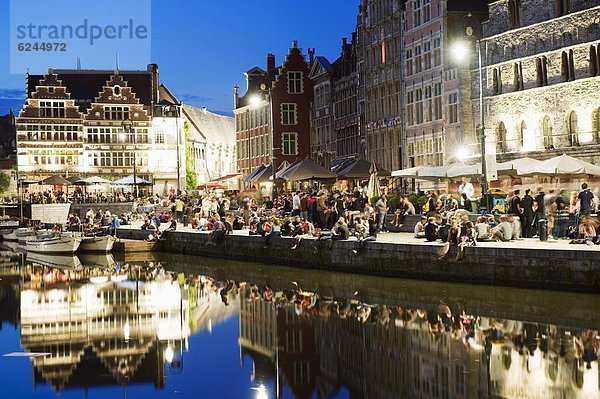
{"points": [[209, 126], [87, 84], [165, 97], [323, 61]]}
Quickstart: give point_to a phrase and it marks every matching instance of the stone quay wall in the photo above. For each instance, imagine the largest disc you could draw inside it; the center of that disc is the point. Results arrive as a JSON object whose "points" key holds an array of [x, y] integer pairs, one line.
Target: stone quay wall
{"points": [[557, 269]]}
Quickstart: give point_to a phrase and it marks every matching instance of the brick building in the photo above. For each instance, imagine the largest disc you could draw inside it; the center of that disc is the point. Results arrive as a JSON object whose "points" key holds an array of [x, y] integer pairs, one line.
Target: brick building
{"points": [[542, 78], [8, 135], [291, 93]]}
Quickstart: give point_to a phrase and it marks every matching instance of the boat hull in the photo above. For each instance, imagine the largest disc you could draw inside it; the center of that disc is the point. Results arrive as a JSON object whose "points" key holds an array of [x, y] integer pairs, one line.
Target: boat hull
{"points": [[56, 245], [102, 244], [19, 234]]}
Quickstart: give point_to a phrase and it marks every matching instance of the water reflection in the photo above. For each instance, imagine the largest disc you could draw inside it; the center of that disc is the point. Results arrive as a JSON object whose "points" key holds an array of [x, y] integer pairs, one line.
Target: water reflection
{"points": [[122, 323]]}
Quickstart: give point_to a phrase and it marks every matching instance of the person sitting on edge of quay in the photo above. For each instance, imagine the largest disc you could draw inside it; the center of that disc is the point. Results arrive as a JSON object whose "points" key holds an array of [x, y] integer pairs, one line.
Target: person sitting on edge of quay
{"points": [[503, 232], [454, 234], [275, 231], [430, 230], [419, 230], [482, 229], [305, 229], [217, 235], [404, 209], [372, 236]]}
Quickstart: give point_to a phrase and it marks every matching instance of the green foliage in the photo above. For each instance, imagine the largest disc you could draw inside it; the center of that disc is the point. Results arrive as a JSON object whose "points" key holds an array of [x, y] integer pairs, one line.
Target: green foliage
{"points": [[374, 200], [422, 200], [394, 201], [413, 200], [191, 178], [4, 182]]}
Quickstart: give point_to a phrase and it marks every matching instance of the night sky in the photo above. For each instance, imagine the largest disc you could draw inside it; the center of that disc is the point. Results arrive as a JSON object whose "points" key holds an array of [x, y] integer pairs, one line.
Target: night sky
{"points": [[203, 47]]}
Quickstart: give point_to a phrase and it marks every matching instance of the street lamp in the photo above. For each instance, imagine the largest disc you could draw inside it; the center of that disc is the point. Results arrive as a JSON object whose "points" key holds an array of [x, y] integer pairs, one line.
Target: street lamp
{"points": [[127, 125], [460, 51], [255, 101], [176, 110]]}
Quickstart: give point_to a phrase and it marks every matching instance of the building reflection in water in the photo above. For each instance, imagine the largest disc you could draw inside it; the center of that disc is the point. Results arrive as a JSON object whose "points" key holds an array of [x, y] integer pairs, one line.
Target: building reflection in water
{"points": [[121, 324], [316, 345]]}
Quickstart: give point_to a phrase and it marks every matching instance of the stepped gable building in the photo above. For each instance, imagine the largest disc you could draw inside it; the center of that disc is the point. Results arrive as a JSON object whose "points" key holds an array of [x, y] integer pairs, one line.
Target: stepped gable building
{"points": [[73, 124], [542, 78], [437, 88], [291, 95]]}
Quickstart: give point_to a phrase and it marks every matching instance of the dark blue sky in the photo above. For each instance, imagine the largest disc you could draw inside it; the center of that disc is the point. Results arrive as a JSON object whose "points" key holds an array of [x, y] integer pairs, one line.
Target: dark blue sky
{"points": [[203, 47]]}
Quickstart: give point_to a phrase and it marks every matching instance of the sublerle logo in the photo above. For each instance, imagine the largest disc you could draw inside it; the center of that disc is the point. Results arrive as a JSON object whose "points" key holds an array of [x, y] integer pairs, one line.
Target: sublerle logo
{"points": [[86, 31], [67, 34]]}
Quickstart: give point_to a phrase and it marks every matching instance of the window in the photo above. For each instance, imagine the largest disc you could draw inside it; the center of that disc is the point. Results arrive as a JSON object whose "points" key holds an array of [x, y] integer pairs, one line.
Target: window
{"points": [[428, 104], [437, 51], [295, 84], [419, 107], [572, 129], [289, 143], [288, 114], [518, 76], [497, 81], [594, 60], [596, 125], [410, 101], [116, 113], [437, 101], [409, 62], [427, 56], [567, 66], [541, 69], [563, 7], [453, 108], [514, 11], [501, 138], [159, 136], [52, 109], [416, 4], [521, 131], [418, 65]]}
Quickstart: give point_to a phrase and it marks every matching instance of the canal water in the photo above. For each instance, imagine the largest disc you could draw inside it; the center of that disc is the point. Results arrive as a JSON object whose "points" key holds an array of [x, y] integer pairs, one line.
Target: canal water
{"points": [[175, 326]]}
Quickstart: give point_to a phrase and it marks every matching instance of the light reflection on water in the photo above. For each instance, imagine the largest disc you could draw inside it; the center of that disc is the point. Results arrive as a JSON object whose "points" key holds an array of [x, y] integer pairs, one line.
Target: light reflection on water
{"points": [[152, 329]]}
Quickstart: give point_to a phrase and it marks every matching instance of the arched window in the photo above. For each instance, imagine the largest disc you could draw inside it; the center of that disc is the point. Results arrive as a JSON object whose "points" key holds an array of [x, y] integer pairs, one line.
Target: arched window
{"points": [[547, 133], [501, 138], [567, 66], [563, 7], [572, 129], [521, 129], [518, 76]]}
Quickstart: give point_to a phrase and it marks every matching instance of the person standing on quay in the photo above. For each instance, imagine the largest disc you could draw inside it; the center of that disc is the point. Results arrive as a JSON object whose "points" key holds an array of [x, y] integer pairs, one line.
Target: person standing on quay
{"points": [[528, 214], [381, 210]]}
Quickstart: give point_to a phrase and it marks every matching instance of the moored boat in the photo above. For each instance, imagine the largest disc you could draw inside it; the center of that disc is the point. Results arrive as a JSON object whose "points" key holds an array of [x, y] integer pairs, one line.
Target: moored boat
{"points": [[57, 245], [99, 244], [19, 234]]}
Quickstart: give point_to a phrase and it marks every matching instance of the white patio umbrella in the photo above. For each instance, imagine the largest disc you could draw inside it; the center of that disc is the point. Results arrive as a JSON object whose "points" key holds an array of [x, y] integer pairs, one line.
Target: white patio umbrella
{"points": [[373, 188], [464, 171], [563, 165], [408, 173], [97, 187], [510, 168]]}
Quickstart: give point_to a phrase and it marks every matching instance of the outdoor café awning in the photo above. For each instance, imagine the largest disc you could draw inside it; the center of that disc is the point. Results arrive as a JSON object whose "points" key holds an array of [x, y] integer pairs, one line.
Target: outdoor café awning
{"points": [[358, 169], [307, 169], [95, 180], [251, 176], [129, 181], [56, 180], [223, 178], [563, 165]]}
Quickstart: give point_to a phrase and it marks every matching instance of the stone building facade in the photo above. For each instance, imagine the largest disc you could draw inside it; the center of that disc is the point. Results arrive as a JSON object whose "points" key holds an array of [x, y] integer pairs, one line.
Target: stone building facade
{"points": [[345, 109], [379, 28], [322, 139], [542, 78], [437, 88], [291, 93]]}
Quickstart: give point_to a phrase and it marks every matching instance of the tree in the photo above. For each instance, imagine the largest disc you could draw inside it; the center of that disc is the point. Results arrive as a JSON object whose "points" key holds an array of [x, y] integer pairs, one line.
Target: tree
{"points": [[4, 182], [191, 178]]}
